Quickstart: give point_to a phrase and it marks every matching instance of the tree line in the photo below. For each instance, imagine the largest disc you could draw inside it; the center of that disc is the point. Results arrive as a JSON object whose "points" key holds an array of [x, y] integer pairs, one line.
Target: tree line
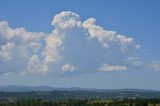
{"points": [[97, 102]]}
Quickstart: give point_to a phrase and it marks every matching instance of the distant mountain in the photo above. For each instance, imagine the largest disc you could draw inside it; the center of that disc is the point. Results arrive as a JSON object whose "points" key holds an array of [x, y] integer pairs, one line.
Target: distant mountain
{"points": [[17, 88], [56, 94]]}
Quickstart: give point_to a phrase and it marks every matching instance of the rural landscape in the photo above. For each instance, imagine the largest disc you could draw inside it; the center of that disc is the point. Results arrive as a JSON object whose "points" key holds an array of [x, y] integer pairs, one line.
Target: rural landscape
{"points": [[79, 53], [36, 96]]}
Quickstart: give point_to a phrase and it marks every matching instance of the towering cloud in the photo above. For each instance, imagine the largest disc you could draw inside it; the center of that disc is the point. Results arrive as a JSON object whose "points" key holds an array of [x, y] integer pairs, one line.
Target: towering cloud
{"points": [[66, 20], [71, 41], [107, 37]]}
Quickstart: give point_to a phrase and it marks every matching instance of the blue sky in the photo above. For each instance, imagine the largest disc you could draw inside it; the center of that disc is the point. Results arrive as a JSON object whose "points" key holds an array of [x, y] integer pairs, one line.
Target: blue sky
{"points": [[61, 45]]}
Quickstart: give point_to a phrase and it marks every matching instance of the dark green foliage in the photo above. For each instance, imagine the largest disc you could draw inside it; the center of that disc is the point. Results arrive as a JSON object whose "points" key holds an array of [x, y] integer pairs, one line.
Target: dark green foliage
{"points": [[80, 95], [78, 98], [39, 102]]}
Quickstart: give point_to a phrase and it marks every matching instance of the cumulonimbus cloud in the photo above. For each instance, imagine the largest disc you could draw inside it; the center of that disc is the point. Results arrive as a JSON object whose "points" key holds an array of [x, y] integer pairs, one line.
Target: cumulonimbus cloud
{"points": [[40, 51]]}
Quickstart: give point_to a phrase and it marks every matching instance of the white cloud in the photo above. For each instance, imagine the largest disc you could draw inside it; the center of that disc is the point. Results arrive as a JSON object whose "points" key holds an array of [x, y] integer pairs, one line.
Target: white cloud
{"points": [[18, 44], [107, 37], [35, 66], [111, 68], [6, 51], [41, 51], [53, 44], [126, 43], [135, 61], [22, 39], [155, 65], [66, 19], [18, 35], [68, 68]]}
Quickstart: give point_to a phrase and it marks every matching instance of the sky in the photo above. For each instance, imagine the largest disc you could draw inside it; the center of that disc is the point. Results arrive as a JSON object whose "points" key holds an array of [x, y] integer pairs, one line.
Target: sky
{"points": [[104, 44]]}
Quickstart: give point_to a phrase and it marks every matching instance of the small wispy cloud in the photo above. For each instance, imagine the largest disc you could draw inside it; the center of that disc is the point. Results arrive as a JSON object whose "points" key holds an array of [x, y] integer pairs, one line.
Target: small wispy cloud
{"points": [[155, 65], [111, 68], [68, 68]]}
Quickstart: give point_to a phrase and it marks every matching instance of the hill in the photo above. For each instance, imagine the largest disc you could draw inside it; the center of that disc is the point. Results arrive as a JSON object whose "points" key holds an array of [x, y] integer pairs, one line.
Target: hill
{"points": [[63, 94]]}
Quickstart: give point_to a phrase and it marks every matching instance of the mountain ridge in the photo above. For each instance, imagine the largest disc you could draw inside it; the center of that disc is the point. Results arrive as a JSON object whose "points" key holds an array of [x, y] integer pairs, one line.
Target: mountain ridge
{"points": [[24, 88]]}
